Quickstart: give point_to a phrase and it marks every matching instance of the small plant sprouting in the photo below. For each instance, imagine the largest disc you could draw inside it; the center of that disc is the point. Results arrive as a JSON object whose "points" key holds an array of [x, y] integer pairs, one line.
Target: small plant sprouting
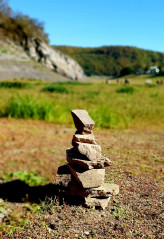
{"points": [[55, 88], [31, 178], [126, 89]]}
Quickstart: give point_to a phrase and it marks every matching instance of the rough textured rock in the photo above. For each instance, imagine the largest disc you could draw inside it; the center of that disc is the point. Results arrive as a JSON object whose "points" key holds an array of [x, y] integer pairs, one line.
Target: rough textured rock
{"points": [[111, 188], [82, 121], [89, 179], [91, 151], [16, 63], [85, 138], [100, 203], [106, 162], [86, 165], [53, 59], [73, 153], [80, 164]]}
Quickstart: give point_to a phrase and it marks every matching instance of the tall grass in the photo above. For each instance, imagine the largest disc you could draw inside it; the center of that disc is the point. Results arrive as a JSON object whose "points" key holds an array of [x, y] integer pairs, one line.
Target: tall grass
{"points": [[27, 107]]}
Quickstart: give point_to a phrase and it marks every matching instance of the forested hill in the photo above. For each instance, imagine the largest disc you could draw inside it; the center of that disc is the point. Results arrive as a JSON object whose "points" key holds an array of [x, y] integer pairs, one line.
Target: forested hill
{"points": [[18, 27], [113, 60]]}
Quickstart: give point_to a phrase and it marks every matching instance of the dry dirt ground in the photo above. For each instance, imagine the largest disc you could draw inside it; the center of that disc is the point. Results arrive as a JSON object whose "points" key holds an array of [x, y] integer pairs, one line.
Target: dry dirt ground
{"points": [[137, 156]]}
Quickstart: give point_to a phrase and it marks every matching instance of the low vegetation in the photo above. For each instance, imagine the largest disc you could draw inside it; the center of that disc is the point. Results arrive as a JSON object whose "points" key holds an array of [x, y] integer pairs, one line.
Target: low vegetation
{"points": [[55, 88], [27, 107], [31, 178], [126, 89], [14, 84]]}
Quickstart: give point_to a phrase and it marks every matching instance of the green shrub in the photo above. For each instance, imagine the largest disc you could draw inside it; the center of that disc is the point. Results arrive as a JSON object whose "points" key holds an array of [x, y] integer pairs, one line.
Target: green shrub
{"points": [[28, 107], [126, 89], [31, 178], [55, 88], [18, 85], [4, 51], [151, 85]]}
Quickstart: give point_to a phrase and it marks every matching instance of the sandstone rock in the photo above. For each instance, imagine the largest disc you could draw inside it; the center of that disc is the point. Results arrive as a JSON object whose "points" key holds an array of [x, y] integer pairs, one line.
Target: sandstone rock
{"points": [[111, 188], [83, 164], [105, 161], [94, 202], [83, 138], [91, 151], [73, 153], [89, 179], [86, 165], [105, 190], [82, 121]]}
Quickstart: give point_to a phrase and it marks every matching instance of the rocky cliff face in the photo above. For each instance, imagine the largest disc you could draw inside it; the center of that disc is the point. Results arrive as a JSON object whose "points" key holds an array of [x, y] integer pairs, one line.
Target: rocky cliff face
{"points": [[53, 59], [16, 63]]}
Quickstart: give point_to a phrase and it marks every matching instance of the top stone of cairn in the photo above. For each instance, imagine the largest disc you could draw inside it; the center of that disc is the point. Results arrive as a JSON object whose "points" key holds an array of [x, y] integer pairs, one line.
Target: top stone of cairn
{"points": [[82, 121]]}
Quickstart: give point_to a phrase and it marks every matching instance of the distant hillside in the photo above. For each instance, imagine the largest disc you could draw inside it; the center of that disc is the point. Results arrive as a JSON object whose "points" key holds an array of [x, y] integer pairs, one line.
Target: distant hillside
{"points": [[113, 60], [18, 27]]}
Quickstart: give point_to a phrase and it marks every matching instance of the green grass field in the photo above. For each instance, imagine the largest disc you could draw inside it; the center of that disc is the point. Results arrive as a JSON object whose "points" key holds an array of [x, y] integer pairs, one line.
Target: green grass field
{"points": [[110, 106]]}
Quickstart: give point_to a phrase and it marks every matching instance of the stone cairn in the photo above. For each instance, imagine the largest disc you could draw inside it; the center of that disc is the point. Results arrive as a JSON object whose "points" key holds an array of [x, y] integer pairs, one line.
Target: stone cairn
{"points": [[86, 165]]}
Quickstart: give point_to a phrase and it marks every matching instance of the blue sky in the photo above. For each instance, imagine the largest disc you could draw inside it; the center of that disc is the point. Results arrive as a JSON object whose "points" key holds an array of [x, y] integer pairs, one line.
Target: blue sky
{"points": [[93, 23]]}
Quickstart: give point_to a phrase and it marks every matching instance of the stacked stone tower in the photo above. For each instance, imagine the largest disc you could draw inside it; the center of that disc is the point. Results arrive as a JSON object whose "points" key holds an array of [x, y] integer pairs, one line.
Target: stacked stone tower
{"points": [[86, 165]]}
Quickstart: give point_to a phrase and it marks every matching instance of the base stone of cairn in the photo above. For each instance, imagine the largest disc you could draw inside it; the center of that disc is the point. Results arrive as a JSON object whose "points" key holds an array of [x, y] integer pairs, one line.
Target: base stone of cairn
{"points": [[86, 165]]}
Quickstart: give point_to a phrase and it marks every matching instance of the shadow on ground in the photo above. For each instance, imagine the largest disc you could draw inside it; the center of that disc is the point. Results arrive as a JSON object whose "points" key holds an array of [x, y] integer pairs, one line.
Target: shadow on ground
{"points": [[19, 191]]}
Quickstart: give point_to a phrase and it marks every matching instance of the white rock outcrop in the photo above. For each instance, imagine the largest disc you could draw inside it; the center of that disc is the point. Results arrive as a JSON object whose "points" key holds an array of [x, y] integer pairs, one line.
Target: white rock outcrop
{"points": [[53, 59]]}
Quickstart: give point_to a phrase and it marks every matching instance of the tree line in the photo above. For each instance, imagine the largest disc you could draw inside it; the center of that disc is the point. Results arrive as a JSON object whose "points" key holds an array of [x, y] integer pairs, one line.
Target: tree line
{"points": [[113, 60]]}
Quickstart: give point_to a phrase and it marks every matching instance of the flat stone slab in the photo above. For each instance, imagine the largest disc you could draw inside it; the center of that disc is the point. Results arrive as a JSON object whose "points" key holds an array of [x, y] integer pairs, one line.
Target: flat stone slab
{"points": [[82, 120], [105, 190], [105, 161], [90, 152], [83, 165], [111, 188], [92, 178], [86, 165], [94, 202], [73, 153], [83, 138]]}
